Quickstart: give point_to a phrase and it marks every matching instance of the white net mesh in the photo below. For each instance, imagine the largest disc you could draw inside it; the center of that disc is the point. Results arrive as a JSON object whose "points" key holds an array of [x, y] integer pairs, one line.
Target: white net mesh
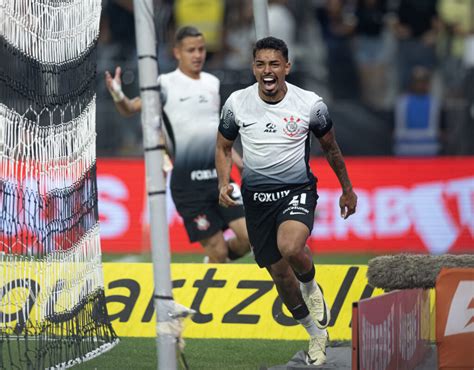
{"points": [[51, 285], [50, 31], [56, 156]]}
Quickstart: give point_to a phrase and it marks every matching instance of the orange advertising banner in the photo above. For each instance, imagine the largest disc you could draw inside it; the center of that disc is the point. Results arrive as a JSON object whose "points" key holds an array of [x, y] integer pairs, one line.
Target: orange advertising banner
{"points": [[455, 318]]}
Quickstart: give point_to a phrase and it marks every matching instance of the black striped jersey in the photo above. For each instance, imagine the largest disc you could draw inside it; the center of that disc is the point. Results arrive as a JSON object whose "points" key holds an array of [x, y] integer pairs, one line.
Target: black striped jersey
{"points": [[191, 114], [275, 137]]}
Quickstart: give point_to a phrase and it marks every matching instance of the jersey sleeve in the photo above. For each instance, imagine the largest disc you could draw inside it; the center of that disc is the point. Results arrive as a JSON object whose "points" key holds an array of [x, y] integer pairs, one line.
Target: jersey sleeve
{"points": [[320, 121], [228, 126], [218, 93], [162, 89]]}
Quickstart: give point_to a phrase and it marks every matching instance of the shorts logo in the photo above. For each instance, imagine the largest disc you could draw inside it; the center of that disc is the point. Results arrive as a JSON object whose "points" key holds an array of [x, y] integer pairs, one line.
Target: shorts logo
{"points": [[270, 197], [295, 202], [202, 223], [295, 205], [291, 127]]}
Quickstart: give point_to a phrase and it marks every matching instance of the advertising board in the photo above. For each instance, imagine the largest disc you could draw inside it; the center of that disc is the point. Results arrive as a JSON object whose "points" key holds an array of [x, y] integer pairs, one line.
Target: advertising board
{"points": [[415, 205]]}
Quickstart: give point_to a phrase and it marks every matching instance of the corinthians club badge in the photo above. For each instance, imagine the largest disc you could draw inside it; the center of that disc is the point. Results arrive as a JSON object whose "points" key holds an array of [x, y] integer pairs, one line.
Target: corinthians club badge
{"points": [[291, 128], [202, 222]]}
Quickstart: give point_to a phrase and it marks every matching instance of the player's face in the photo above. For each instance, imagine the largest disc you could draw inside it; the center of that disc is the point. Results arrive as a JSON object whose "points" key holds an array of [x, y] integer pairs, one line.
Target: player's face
{"points": [[270, 69], [191, 54]]}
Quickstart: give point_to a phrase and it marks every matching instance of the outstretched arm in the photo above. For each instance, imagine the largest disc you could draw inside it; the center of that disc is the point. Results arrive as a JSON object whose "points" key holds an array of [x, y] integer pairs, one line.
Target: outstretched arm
{"points": [[125, 106], [223, 167], [348, 199]]}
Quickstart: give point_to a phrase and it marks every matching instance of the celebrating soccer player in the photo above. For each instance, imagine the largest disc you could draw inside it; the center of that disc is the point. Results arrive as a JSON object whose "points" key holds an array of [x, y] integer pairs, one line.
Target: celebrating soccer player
{"points": [[274, 119], [191, 105]]}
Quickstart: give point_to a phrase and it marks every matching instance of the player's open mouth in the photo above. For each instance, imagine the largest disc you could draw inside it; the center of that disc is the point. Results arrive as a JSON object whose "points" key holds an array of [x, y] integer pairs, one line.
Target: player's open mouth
{"points": [[269, 82]]}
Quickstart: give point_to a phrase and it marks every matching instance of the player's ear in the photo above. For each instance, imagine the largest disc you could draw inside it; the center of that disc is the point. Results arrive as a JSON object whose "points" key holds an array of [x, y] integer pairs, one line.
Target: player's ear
{"points": [[177, 53], [287, 68]]}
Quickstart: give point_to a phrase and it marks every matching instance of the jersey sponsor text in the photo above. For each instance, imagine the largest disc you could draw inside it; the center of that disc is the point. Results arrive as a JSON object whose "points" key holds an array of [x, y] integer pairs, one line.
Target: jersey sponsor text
{"points": [[201, 175]]}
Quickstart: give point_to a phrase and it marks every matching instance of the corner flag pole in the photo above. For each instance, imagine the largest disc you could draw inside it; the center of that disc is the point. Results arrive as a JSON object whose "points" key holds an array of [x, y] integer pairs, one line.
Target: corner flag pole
{"points": [[155, 181], [260, 16]]}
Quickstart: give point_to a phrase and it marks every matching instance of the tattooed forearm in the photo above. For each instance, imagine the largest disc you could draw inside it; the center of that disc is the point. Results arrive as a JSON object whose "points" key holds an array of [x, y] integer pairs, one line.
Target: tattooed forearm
{"points": [[348, 199], [335, 159]]}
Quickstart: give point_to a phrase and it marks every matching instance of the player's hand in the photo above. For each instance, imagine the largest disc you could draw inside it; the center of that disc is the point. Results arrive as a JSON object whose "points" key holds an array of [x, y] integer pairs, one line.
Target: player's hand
{"points": [[114, 84], [348, 203], [167, 163], [225, 198]]}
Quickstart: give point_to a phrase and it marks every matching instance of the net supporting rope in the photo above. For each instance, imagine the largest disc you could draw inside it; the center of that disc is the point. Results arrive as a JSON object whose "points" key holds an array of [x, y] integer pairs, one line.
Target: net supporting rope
{"points": [[52, 303]]}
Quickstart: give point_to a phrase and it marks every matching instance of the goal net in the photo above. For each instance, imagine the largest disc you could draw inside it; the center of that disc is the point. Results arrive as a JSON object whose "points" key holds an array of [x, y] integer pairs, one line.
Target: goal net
{"points": [[52, 305]]}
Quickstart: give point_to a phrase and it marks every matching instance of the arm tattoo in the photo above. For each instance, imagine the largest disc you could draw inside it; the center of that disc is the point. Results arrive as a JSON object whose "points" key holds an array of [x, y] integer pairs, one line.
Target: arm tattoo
{"points": [[336, 160]]}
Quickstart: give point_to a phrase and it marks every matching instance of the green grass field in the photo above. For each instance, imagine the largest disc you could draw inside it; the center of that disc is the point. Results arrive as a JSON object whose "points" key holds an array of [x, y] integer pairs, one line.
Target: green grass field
{"points": [[219, 354]]}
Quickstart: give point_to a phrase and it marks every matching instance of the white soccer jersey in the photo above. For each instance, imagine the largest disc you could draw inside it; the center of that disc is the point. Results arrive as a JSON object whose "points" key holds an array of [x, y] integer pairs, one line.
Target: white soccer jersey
{"points": [[275, 137], [191, 110]]}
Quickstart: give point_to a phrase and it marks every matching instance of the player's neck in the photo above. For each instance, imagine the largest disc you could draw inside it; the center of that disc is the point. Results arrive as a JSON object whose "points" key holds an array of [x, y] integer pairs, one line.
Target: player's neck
{"points": [[191, 74], [275, 99]]}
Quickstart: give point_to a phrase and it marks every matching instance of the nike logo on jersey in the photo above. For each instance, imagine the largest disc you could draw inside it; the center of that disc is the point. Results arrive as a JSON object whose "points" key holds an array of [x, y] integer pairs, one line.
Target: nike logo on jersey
{"points": [[249, 124], [184, 99]]}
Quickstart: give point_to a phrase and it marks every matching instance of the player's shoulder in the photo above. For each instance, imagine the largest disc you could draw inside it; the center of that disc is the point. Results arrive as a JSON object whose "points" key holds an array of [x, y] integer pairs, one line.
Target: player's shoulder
{"points": [[209, 77], [307, 96], [242, 96], [210, 82], [167, 78]]}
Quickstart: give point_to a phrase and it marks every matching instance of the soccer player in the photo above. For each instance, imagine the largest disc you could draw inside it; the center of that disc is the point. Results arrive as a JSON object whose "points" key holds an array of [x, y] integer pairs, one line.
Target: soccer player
{"points": [[274, 119], [191, 106]]}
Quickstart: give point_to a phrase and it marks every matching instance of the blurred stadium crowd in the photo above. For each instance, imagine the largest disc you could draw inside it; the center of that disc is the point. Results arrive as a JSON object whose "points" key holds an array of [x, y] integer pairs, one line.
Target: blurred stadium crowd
{"points": [[366, 58]]}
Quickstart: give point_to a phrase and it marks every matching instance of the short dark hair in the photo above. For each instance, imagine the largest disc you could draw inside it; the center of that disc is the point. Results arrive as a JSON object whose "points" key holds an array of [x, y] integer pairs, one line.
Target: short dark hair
{"points": [[186, 31], [271, 42]]}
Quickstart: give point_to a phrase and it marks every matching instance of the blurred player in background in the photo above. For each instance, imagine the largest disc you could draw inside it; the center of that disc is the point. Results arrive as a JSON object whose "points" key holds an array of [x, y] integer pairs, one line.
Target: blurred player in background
{"points": [[191, 106], [274, 119]]}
